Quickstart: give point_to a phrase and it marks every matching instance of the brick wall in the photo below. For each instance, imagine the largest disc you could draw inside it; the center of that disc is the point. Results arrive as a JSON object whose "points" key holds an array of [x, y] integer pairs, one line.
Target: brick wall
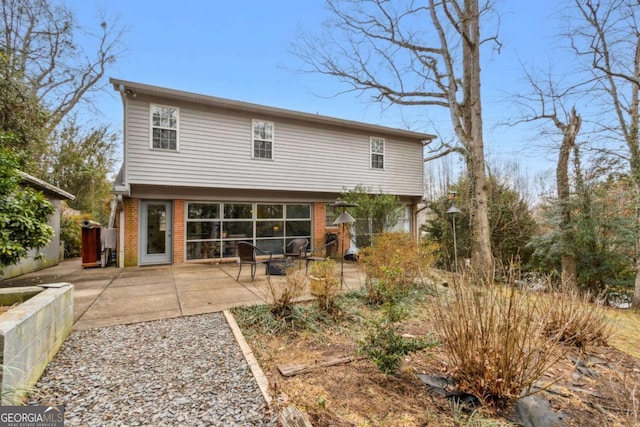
{"points": [[320, 229], [178, 231], [319, 213], [131, 218], [130, 232]]}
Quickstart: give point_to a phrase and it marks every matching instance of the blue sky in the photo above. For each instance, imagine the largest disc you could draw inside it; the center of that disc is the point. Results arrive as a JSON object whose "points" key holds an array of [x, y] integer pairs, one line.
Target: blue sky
{"points": [[242, 50]]}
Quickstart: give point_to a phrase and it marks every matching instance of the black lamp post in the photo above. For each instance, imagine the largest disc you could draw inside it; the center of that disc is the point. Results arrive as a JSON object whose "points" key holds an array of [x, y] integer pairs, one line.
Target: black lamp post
{"points": [[342, 219], [453, 211]]}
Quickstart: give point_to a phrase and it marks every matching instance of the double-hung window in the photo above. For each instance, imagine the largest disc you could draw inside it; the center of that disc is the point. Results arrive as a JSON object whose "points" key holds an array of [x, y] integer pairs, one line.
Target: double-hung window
{"points": [[164, 127], [377, 153], [262, 139]]}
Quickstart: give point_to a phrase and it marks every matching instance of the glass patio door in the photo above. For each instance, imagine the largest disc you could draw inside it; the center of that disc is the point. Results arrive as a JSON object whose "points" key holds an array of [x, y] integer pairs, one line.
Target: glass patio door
{"points": [[155, 232]]}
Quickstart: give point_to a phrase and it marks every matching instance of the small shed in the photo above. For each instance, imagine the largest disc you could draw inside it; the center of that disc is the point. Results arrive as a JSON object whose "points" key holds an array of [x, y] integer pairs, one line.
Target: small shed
{"points": [[53, 253]]}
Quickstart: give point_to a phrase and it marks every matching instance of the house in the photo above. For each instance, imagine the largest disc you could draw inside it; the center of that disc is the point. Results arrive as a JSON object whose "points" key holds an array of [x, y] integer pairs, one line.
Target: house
{"points": [[201, 173], [53, 253]]}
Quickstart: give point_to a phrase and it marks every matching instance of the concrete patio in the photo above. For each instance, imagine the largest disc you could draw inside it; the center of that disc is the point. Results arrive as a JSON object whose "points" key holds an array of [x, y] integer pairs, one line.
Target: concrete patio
{"points": [[116, 296]]}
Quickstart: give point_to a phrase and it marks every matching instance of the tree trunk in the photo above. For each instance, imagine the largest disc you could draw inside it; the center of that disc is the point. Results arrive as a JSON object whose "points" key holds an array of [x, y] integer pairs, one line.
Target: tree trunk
{"points": [[636, 188], [481, 257], [633, 142], [567, 257], [611, 28]]}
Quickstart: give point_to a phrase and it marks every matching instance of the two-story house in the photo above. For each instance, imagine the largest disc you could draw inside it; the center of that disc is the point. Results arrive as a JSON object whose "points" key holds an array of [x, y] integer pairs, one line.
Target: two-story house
{"points": [[201, 173]]}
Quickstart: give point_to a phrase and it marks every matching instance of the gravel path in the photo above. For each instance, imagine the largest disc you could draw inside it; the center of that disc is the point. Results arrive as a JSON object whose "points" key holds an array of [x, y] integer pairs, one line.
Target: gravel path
{"points": [[187, 371]]}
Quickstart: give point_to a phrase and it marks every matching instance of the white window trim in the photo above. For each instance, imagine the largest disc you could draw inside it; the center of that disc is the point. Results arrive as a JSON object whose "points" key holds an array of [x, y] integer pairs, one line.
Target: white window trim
{"points": [[273, 140], [151, 107], [384, 156]]}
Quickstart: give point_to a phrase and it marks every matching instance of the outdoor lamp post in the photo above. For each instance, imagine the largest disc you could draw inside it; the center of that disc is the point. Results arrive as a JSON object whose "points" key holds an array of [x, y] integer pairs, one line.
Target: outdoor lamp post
{"points": [[342, 219], [453, 211]]}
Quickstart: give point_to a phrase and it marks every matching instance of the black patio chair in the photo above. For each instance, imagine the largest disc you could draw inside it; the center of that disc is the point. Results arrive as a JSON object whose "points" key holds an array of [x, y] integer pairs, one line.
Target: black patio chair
{"points": [[247, 254], [327, 254], [297, 248]]}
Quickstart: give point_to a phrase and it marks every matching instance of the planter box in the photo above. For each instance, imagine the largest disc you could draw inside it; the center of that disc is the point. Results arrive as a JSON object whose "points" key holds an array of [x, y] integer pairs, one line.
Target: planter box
{"points": [[317, 285], [278, 267], [31, 334]]}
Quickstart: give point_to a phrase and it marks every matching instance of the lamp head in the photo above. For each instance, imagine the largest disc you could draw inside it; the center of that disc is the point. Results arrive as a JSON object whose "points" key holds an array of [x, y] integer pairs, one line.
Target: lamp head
{"points": [[344, 218], [453, 210], [343, 204]]}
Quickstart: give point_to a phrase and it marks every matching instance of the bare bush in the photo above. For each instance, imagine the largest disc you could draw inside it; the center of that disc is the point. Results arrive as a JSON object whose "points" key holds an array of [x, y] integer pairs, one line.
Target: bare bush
{"points": [[626, 396], [571, 316], [325, 284], [494, 343], [283, 293]]}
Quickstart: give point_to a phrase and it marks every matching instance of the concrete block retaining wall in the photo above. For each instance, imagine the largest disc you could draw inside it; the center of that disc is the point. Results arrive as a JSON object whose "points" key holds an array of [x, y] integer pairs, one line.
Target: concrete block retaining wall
{"points": [[30, 336]]}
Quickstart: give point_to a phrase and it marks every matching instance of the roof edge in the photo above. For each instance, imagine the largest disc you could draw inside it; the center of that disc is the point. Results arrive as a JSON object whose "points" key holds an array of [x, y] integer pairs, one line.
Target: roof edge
{"points": [[45, 186], [151, 90]]}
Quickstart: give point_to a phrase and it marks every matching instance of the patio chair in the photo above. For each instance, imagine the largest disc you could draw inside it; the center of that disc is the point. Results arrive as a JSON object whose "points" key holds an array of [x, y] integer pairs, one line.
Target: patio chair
{"points": [[247, 254], [327, 253], [297, 248]]}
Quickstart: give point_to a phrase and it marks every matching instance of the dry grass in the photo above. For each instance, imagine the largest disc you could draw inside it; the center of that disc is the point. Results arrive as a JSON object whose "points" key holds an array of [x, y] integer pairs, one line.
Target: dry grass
{"points": [[497, 343], [627, 331], [357, 394]]}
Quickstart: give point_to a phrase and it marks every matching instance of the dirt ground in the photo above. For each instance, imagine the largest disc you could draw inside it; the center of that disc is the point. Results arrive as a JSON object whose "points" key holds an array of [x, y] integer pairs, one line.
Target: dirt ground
{"points": [[596, 387]]}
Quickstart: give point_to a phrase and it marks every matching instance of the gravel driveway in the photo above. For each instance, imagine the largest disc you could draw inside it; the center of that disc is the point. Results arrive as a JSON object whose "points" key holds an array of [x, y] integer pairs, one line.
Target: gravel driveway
{"points": [[186, 371]]}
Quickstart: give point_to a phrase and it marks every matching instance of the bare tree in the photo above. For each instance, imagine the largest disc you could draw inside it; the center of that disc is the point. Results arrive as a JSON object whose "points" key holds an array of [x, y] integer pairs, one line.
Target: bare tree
{"points": [[39, 41], [416, 53], [546, 103], [608, 38]]}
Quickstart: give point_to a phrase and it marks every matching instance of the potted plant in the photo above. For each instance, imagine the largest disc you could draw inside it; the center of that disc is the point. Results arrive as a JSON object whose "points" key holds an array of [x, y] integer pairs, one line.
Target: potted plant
{"points": [[324, 281]]}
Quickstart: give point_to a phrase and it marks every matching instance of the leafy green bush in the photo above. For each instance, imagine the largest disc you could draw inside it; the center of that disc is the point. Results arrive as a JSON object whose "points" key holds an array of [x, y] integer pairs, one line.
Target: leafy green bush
{"points": [[385, 345], [71, 234], [24, 214], [375, 212]]}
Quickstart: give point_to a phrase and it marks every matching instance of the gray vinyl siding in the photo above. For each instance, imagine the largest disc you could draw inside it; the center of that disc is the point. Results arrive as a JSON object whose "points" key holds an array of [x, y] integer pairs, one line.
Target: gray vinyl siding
{"points": [[215, 151]]}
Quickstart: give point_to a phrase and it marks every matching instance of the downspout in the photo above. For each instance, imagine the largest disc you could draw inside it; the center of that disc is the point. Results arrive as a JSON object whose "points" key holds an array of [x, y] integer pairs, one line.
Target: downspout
{"points": [[121, 239], [121, 233], [125, 108], [113, 205]]}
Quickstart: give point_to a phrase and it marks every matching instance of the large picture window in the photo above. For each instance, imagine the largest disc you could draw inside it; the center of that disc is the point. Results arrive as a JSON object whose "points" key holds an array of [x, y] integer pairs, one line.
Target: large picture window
{"points": [[164, 127], [213, 230], [262, 139], [203, 230]]}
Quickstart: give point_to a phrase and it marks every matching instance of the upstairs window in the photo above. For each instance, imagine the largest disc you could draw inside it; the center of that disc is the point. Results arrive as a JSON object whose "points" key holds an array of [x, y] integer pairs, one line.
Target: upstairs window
{"points": [[164, 127], [377, 153], [262, 139]]}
